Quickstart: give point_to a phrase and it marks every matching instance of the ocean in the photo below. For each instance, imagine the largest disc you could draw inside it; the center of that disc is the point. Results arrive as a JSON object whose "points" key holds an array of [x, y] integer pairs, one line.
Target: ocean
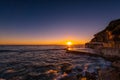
{"points": [[47, 63]]}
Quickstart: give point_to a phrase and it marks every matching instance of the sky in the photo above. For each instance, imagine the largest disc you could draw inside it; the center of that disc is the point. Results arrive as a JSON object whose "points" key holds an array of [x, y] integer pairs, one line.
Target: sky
{"points": [[54, 21]]}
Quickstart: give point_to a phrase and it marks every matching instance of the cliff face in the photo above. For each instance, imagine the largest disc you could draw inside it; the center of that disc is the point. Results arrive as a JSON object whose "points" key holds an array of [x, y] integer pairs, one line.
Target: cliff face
{"points": [[107, 44], [110, 33]]}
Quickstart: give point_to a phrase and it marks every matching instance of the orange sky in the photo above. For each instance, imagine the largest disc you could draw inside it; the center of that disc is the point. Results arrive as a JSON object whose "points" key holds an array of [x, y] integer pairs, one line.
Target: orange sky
{"points": [[36, 22], [38, 41]]}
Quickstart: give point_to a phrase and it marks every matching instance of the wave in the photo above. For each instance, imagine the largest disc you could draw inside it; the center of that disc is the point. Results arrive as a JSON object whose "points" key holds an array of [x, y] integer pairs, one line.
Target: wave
{"points": [[29, 50]]}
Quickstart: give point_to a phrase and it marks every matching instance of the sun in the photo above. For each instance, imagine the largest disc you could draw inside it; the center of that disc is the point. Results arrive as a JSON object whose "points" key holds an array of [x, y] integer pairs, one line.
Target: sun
{"points": [[69, 43]]}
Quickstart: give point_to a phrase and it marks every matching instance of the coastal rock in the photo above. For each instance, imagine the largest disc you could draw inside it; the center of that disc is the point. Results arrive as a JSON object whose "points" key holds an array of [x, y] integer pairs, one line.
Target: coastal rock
{"points": [[66, 67], [108, 74], [110, 36], [36, 76], [107, 42], [107, 45], [116, 64], [69, 78]]}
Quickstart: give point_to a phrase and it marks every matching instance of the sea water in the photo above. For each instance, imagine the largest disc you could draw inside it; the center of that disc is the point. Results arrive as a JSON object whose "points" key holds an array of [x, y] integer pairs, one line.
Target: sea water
{"points": [[46, 63]]}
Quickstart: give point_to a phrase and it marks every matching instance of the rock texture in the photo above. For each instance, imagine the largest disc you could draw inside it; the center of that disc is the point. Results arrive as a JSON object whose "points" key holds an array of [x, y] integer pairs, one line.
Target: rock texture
{"points": [[107, 42], [110, 33]]}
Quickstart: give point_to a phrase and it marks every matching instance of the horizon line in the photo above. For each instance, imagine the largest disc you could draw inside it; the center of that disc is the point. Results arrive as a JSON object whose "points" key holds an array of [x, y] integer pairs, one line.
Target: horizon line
{"points": [[37, 44]]}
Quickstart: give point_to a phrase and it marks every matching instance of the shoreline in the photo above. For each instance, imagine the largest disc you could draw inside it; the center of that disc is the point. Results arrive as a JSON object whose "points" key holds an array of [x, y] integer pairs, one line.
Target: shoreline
{"points": [[113, 73], [106, 57]]}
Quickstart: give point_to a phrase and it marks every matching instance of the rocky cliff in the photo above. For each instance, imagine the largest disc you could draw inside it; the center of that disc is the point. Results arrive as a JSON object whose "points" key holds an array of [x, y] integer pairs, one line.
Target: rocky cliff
{"points": [[107, 44], [110, 33]]}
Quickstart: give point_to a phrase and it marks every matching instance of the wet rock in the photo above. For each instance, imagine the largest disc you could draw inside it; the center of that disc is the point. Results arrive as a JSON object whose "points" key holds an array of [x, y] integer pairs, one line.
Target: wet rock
{"points": [[108, 74], [93, 76], [79, 76], [66, 67], [68, 78], [39, 76], [10, 71], [17, 78], [52, 76], [116, 64], [34, 76], [87, 74], [83, 78], [78, 69], [52, 71], [42, 69]]}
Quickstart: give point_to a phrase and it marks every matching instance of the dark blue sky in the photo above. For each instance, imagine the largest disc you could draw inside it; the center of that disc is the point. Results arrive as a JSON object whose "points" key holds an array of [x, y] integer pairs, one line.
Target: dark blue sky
{"points": [[54, 21]]}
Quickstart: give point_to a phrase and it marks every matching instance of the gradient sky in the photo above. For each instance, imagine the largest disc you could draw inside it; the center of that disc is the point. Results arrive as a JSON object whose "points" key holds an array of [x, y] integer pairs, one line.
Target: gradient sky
{"points": [[54, 21]]}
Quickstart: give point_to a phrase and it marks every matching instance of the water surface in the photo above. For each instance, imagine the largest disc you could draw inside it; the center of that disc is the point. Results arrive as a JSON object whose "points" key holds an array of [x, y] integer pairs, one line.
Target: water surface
{"points": [[44, 63]]}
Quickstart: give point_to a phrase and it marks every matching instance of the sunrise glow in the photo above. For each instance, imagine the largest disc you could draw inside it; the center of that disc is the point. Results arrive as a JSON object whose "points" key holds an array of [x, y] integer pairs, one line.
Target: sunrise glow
{"points": [[69, 43]]}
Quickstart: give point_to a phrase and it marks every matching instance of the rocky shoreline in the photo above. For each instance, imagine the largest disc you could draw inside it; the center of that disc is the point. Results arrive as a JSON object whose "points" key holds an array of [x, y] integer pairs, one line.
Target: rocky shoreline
{"points": [[107, 44], [112, 73]]}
